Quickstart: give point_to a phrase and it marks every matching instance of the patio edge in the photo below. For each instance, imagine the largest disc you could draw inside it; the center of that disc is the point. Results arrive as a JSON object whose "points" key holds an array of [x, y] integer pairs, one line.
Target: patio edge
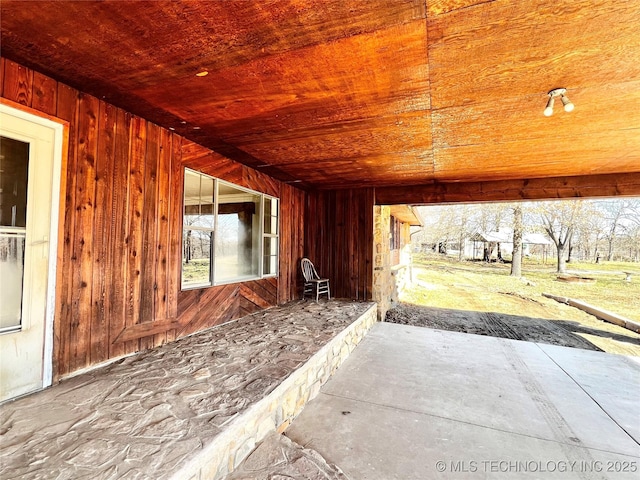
{"points": [[276, 411]]}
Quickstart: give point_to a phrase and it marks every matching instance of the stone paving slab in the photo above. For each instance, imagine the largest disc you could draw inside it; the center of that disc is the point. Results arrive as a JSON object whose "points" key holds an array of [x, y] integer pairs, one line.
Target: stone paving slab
{"points": [[279, 458], [150, 415]]}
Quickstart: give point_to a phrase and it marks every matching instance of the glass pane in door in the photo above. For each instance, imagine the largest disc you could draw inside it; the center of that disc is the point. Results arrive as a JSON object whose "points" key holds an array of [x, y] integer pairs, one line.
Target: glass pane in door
{"points": [[14, 168]]}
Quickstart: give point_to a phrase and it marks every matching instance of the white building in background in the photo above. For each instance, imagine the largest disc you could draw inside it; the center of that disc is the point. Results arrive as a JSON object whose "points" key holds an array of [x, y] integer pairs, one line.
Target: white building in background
{"points": [[532, 244]]}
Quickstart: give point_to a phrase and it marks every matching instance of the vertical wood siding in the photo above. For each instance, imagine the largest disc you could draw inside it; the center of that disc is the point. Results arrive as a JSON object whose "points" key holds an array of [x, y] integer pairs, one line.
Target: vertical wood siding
{"points": [[339, 239], [118, 285], [292, 207]]}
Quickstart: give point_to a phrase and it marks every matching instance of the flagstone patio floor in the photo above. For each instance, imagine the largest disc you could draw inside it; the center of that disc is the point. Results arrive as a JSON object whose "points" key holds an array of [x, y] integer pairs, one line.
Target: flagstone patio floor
{"points": [[190, 409]]}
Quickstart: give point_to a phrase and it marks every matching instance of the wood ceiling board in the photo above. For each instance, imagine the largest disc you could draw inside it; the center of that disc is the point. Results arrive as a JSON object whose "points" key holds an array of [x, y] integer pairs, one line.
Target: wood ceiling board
{"points": [[167, 46], [598, 110], [437, 7], [507, 49], [175, 39], [325, 127], [346, 79], [414, 167], [313, 80], [614, 152], [383, 136], [316, 119]]}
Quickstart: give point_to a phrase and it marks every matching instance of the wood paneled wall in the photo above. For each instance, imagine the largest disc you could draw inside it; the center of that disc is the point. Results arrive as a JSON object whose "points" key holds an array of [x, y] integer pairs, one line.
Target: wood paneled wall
{"points": [[118, 287], [292, 239], [339, 239]]}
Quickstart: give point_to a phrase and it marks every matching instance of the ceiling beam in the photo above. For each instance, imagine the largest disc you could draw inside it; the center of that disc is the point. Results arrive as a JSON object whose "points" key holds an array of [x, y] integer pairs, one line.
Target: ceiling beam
{"points": [[608, 185]]}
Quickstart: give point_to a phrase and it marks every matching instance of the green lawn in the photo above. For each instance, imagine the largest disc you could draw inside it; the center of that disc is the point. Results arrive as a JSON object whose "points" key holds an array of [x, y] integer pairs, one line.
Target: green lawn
{"points": [[610, 291], [196, 271]]}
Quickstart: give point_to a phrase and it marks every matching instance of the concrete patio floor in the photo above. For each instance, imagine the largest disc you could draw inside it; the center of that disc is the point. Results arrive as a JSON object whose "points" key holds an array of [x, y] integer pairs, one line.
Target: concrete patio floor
{"points": [[416, 403]]}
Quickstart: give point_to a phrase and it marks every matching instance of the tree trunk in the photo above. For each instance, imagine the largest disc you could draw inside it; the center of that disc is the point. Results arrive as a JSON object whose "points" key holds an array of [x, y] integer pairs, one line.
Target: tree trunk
{"points": [[570, 253], [516, 258], [187, 247], [562, 262], [610, 251]]}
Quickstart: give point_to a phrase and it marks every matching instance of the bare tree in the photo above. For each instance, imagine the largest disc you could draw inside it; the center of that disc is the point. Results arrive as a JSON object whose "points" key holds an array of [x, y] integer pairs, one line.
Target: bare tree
{"points": [[614, 211], [447, 224], [516, 257], [632, 211], [463, 228], [559, 220], [592, 233], [631, 242]]}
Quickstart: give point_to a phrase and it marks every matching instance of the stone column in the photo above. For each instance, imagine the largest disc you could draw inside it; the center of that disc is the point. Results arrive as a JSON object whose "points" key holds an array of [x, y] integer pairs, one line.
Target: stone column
{"points": [[382, 279]]}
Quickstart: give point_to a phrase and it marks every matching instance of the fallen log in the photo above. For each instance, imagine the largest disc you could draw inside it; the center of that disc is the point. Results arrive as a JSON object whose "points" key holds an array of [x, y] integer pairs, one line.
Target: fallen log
{"points": [[598, 312]]}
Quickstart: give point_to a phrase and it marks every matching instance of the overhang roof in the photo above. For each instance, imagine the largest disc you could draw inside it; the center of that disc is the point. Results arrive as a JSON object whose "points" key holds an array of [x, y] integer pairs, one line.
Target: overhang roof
{"points": [[337, 93], [406, 214]]}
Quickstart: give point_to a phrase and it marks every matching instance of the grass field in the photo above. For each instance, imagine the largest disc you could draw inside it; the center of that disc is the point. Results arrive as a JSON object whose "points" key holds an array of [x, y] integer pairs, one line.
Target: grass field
{"points": [[610, 291], [196, 271]]}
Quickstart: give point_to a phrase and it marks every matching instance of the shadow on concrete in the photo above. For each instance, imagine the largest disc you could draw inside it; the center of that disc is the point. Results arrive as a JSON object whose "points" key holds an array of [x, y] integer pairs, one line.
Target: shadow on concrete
{"points": [[515, 327]]}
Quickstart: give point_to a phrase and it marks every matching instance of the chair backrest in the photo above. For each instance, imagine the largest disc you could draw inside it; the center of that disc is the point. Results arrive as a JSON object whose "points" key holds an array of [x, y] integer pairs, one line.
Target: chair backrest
{"points": [[308, 270]]}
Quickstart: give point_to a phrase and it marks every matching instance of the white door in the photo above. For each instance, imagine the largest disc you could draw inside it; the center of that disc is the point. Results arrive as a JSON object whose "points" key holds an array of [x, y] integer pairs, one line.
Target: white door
{"points": [[26, 197]]}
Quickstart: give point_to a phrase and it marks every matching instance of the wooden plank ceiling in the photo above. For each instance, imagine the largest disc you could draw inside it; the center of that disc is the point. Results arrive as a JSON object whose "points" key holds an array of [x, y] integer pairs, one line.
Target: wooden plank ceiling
{"points": [[343, 93]]}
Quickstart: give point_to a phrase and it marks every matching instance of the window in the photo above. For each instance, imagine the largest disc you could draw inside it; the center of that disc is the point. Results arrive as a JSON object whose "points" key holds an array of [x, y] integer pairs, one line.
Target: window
{"points": [[230, 233], [238, 238], [270, 237], [394, 233], [14, 172]]}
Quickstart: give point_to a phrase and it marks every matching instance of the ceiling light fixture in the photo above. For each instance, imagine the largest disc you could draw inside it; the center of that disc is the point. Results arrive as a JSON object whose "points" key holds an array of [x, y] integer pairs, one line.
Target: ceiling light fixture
{"points": [[553, 94]]}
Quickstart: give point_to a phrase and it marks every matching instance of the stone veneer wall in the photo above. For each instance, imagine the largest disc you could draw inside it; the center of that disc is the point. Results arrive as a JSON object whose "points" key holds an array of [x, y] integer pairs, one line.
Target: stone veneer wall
{"points": [[402, 270], [382, 277], [391, 268], [277, 410]]}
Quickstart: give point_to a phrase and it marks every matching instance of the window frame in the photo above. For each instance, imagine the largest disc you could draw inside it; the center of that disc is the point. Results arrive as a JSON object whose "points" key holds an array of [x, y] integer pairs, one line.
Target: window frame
{"points": [[266, 235], [211, 230], [394, 233], [261, 235]]}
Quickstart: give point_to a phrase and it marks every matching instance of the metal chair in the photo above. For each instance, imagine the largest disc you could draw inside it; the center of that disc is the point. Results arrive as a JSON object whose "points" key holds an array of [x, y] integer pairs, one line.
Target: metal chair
{"points": [[313, 284]]}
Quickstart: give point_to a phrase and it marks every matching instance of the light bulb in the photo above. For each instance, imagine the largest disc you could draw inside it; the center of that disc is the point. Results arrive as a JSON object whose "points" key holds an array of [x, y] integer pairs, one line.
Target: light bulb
{"points": [[549, 110], [568, 106]]}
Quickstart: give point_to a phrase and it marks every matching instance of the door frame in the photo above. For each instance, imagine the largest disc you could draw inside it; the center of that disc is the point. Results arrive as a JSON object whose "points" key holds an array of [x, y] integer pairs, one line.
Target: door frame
{"points": [[60, 143]]}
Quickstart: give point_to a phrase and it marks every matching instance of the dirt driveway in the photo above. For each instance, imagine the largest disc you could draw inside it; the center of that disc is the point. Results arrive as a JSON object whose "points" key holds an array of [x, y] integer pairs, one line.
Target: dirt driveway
{"points": [[465, 304]]}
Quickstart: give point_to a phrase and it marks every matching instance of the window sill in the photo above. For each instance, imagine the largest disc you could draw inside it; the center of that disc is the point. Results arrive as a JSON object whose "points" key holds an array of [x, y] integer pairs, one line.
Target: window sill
{"points": [[248, 278]]}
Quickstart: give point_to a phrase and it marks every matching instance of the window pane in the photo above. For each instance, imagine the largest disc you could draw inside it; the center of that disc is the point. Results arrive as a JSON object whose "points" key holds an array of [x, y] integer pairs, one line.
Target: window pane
{"points": [[11, 271], [198, 200], [206, 203], [271, 216], [270, 246], [267, 206], [196, 258], [238, 234], [270, 266], [14, 166], [270, 263]]}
